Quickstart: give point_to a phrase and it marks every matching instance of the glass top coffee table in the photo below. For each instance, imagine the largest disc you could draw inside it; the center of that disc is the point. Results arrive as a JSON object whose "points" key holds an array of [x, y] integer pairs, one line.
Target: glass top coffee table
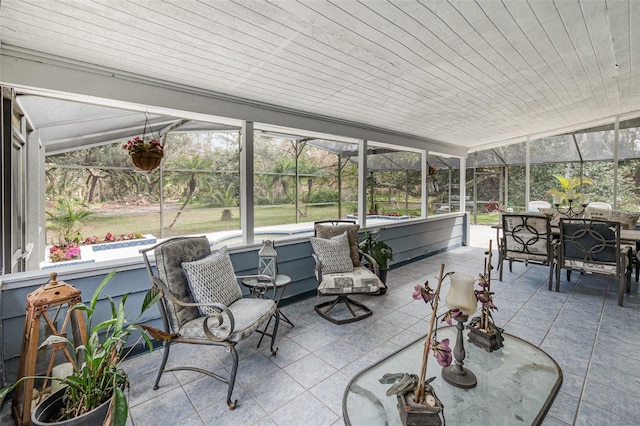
{"points": [[516, 385]]}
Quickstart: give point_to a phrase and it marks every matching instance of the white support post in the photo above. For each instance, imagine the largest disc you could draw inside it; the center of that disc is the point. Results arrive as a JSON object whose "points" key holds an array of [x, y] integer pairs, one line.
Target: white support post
{"points": [[246, 182], [527, 174], [463, 197], [424, 198], [362, 183], [616, 154]]}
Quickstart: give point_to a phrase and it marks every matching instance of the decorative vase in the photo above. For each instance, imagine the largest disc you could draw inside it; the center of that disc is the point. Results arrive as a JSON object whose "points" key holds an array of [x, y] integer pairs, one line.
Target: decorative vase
{"points": [[413, 414], [461, 294], [146, 160], [489, 341]]}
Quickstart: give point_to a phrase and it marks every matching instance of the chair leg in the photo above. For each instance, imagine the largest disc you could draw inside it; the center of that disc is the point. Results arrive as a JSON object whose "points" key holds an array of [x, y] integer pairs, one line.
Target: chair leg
{"points": [[163, 364], [349, 304], [510, 265], [232, 378], [569, 275], [557, 277], [621, 289], [551, 266], [274, 333], [500, 266]]}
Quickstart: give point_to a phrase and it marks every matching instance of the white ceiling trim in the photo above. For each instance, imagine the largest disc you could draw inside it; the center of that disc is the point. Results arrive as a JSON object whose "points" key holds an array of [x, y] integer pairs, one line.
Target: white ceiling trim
{"points": [[31, 72]]}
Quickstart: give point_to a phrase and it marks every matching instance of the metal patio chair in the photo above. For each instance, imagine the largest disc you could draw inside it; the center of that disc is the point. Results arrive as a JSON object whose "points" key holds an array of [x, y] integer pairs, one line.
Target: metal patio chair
{"points": [[339, 272], [202, 303], [593, 247], [526, 238]]}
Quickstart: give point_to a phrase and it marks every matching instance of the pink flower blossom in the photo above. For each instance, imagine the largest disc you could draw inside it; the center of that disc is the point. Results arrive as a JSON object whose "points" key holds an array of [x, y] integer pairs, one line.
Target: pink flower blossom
{"points": [[442, 352], [450, 315], [423, 293]]}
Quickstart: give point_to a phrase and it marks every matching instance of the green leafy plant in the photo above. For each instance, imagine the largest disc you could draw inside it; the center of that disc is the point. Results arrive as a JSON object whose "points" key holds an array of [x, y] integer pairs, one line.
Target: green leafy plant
{"points": [[569, 183], [99, 377], [67, 219], [379, 250]]}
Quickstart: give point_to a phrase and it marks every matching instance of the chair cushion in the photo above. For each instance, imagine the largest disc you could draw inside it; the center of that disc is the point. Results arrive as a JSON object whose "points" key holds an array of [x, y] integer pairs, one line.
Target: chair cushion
{"points": [[213, 280], [169, 257], [627, 220], [361, 280], [596, 268], [324, 230], [333, 253], [248, 315], [554, 215]]}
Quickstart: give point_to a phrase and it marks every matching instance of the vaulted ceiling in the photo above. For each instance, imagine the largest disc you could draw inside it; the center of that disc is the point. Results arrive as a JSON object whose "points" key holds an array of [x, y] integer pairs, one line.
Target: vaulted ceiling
{"points": [[465, 73]]}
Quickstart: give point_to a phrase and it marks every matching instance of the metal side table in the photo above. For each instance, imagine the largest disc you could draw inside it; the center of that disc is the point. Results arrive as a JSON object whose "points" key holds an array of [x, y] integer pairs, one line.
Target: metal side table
{"points": [[260, 289]]}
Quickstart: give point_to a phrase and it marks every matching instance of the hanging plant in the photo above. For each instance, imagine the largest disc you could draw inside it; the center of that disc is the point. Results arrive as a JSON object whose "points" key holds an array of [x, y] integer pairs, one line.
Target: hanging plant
{"points": [[145, 153]]}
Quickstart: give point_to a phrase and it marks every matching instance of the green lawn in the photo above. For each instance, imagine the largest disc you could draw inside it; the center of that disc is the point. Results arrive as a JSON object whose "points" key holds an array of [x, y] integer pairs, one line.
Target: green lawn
{"points": [[201, 220], [194, 221]]}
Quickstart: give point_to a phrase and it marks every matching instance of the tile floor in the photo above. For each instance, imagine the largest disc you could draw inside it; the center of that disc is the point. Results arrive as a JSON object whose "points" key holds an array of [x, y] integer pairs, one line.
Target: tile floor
{"points": [[593, 340]]}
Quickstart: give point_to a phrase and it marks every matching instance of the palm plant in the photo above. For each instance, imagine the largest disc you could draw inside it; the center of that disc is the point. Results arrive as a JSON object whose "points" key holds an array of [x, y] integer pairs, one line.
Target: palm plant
{"points": [[67, 220], [195, 166], [569, 183]]}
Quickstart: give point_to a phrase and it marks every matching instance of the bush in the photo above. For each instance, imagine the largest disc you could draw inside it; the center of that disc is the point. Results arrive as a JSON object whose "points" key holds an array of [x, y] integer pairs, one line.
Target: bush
{"points": [[324, 195]]}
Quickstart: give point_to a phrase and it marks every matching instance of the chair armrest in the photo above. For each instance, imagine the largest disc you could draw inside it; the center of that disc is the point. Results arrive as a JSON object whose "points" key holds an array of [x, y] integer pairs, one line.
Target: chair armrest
{"points": [[371, 261], [216, 315], [318, 268]]}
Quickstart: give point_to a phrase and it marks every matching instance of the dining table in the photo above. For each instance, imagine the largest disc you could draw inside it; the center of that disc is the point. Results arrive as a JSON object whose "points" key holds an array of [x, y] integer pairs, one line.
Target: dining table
{"points": [[626, 235]]}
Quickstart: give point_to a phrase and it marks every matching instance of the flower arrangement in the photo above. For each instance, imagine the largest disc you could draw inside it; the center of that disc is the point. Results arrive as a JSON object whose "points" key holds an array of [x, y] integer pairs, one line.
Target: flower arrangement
{"points": [[59, 253], [139, 144], [441, 350], [110, 238], [483, 331]]}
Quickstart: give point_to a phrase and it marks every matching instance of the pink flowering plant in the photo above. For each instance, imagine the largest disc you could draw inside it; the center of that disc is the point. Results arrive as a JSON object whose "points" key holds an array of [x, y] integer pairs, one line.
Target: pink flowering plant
{"points": [[441, 349], [58, 253], [485, 297], [110, 238], [139, 144]]}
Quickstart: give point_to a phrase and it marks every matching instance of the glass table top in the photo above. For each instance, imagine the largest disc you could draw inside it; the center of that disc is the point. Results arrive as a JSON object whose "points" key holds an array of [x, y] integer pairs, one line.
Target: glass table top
{"points": [[516, 385]]}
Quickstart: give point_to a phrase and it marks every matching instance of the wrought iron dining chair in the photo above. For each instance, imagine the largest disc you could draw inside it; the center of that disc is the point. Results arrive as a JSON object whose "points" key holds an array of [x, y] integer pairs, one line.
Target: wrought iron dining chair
{"points": [[339, 272], [526, 238], [593, 247], [628, 220], [202, 303]]}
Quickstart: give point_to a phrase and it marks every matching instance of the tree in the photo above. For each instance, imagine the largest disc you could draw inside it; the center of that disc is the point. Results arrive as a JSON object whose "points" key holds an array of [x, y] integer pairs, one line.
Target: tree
{"points": [[190, 176]]}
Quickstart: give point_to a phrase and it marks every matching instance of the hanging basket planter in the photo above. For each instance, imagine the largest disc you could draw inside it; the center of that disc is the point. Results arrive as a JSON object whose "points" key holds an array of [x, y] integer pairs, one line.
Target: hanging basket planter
{"points": [[147, 150], [147, 160]]}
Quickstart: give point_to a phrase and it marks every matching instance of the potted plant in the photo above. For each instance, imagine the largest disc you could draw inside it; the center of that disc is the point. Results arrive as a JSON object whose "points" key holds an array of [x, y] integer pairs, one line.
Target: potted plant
{"points": [[569, 186], [146, 153], [96, 386], [417, 400], [379, 251]]}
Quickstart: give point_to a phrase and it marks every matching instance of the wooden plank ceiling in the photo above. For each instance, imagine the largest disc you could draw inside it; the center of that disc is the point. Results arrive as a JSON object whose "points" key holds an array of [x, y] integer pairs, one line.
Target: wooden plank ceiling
{"points": [[468, 73]]}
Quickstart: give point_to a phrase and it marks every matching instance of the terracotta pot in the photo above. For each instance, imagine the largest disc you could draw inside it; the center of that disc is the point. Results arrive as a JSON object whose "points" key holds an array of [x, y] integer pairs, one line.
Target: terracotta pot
{"points": [[146, 160]]}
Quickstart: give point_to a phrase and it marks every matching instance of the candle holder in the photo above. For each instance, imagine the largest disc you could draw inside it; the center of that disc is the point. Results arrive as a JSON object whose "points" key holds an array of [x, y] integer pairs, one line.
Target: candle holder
{"points": [[570, 211], [457, 374], [461, 296]]}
